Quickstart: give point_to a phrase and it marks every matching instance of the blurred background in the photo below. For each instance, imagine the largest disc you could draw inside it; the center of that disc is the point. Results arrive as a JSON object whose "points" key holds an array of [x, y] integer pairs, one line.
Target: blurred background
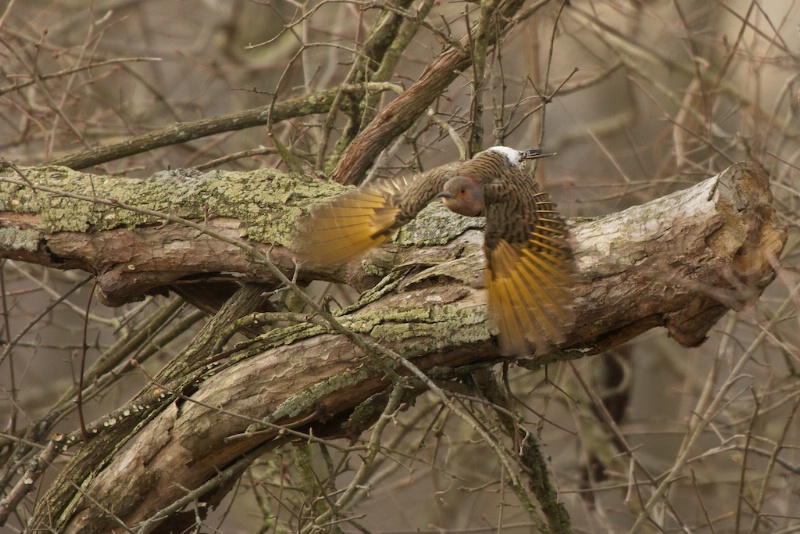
{"points": [[638, 97]]}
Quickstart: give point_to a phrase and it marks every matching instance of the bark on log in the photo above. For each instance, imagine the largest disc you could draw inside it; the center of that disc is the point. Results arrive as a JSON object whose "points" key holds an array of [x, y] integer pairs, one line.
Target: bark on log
{"points": [[680, 261]]}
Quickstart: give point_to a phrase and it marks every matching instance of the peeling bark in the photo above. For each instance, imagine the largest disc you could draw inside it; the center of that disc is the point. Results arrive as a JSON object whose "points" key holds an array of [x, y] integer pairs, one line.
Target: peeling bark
{"points": [[680, 262]]}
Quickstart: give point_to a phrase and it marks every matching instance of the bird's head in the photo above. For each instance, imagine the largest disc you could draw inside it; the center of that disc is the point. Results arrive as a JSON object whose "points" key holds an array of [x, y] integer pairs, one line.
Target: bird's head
{"points": [[516, 157], [462, 195]]}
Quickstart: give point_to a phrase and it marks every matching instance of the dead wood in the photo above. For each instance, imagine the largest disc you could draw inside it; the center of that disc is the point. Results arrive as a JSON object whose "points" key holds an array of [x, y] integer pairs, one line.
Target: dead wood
{"points": [[679, 262]]}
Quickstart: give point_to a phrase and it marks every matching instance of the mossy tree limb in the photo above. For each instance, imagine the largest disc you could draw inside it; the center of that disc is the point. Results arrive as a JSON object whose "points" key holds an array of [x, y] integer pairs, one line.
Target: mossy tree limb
{"points": [[680, 262], [669, 262]]}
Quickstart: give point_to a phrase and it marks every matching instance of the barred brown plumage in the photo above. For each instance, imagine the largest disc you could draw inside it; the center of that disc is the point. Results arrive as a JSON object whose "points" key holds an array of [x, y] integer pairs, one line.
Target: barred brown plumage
{"points": [[528, 257]]}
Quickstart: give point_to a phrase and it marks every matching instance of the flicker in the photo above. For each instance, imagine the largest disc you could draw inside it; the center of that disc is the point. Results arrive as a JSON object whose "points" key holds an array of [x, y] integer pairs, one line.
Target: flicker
{"points": [[526, 243]]}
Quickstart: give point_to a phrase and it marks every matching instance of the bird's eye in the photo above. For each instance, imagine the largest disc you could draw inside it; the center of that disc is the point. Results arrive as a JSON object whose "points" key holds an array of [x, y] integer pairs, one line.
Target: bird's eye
{"points": [[463, 190]]}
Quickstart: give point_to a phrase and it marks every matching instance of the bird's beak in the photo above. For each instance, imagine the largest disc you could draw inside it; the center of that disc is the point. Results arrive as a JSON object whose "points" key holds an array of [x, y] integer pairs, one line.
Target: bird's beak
{"points": [[535, 153], [445, 194]]}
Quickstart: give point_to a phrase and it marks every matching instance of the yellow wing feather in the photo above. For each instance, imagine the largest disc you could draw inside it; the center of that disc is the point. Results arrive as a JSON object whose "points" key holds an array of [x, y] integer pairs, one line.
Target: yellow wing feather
{"points": [[528, 283], [353, 223], [529, 299], [348, 226]]}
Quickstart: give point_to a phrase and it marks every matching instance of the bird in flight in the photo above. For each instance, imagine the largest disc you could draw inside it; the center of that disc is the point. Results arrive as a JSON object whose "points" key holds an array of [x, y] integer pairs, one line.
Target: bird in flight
{"points": [[528, 257]]}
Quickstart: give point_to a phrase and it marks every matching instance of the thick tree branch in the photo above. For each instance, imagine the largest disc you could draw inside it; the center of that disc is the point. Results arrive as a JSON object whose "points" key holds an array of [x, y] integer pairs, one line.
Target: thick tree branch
{"points": [[667, 262], [680, 262]]}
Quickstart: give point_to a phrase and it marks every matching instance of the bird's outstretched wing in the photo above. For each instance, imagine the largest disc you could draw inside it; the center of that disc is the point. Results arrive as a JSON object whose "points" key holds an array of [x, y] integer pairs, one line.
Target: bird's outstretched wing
{"points": [[353, 223], [528, 281]]}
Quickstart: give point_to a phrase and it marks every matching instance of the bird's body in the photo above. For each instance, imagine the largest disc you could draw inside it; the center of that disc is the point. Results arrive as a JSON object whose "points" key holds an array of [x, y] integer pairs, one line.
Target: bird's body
{"points": [[528, 258]]}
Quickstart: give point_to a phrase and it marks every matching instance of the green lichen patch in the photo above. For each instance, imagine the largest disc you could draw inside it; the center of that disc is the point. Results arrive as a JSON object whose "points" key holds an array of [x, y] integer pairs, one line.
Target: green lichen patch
{"points": [[440, 325], [272, 213], [79, 202], [268, 202], [13, 239], [436, 225], [306, 400]]}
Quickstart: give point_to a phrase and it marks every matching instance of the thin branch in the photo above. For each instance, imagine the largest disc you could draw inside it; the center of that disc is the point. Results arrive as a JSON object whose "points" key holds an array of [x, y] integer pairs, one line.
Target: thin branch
{"points": [[701, 421], [401, 113], [319, 102], [16, 86]]}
